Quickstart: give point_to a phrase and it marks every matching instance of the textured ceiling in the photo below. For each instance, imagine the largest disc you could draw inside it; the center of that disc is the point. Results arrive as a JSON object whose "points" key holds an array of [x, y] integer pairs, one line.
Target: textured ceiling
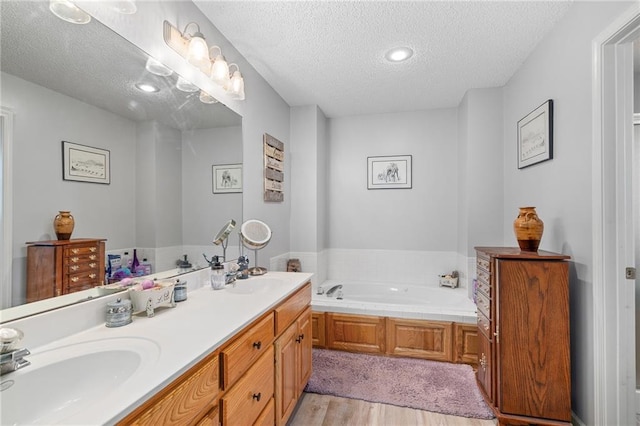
{"points": [[331, 53], [93, 64]]}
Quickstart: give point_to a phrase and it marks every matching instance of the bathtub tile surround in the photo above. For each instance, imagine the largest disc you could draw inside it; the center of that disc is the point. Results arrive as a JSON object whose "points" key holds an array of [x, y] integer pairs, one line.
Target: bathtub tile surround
{"points": [[310, 261]]}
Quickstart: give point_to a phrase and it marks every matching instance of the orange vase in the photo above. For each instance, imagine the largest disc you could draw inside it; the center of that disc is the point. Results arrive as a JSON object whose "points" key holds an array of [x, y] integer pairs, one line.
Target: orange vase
{"points": [[528, 228], [63, 225]]}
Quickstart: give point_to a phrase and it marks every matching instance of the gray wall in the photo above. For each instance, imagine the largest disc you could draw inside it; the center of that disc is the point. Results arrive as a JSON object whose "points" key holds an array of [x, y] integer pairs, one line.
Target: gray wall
{"points": [[561, 68], [422, 218], [204, 212]]}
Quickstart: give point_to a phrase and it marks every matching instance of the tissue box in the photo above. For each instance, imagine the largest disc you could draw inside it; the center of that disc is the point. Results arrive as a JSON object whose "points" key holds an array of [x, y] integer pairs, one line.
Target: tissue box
{"points": [[162, 294], [448, 281]]}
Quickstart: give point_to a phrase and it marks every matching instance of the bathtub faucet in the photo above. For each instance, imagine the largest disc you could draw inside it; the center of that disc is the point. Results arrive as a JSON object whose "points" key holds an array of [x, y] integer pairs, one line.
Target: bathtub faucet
{"points": [[333, 289]]}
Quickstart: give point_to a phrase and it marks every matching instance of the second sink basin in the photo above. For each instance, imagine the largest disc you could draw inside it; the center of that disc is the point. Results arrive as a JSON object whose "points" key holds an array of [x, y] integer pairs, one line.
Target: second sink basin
{"points": [[60, 382]]}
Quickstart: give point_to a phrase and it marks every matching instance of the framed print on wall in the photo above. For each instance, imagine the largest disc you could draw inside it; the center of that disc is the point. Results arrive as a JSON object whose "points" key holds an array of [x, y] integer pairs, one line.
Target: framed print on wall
{"points": [[85, 163], [535, 136], [227, 178], [393, 172]]}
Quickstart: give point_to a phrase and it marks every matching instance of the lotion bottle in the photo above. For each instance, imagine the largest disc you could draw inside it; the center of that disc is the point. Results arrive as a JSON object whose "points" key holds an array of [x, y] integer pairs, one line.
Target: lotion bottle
{"points": [[218, 276]]}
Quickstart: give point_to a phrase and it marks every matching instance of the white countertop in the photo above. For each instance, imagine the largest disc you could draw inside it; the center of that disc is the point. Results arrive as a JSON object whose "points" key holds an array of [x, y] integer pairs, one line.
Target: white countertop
{"points": [[182, 336]]}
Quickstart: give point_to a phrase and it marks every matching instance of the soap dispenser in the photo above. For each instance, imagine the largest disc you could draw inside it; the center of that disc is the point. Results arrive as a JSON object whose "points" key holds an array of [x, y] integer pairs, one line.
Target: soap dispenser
{"points": [[218, 276]]}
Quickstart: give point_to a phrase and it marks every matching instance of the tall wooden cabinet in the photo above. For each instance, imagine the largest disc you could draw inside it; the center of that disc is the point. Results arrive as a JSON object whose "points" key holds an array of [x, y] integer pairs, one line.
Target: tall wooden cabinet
{"points": [[523, 335], [58, 267]]}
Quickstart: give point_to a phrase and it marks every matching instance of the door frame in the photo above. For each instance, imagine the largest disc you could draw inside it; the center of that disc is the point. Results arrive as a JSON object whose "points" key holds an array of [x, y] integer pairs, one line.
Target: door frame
{"points": [[613, 239], [6, 212]]}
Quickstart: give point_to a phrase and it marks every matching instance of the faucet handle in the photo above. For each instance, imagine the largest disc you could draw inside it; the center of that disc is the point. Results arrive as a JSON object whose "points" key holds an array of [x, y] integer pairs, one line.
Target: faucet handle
{"points": [[320, 290]]}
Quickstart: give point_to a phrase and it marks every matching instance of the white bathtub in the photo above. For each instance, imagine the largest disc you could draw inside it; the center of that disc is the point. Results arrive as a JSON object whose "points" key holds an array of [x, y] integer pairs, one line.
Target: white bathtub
{"points": [[401, 301]]}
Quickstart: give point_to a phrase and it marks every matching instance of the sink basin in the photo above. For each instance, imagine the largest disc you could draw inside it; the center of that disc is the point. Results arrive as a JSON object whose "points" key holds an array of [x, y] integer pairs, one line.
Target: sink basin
{"points": [[63, 381]]}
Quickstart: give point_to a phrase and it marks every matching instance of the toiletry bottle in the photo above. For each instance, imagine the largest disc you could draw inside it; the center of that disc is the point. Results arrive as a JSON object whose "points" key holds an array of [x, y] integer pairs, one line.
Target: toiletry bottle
{"points": [[135, 263], [180, 291], [218, 276], [146, 265], [126, 260]]}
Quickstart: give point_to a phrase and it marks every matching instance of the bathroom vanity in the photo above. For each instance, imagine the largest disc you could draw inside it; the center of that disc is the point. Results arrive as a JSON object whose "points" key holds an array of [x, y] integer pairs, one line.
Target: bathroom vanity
{"points": [[241, 355]]}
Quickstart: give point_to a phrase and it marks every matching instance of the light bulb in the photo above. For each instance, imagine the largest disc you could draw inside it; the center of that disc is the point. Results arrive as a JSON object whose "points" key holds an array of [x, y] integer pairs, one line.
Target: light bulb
{"points": [[198, 53], [156, 67], [68, 11], [236, 86], [186, 86], [220, 71], [206, 98]]}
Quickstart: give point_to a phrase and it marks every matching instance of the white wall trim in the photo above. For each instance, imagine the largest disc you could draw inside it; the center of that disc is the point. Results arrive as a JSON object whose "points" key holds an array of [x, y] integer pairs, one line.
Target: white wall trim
{"points": [[6, 214], [613, 398]]}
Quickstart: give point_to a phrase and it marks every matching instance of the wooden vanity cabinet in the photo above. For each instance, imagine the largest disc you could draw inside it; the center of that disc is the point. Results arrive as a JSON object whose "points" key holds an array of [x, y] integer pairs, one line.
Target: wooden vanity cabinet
{"points": [[57, 267], [523, 335], [247, 380]]}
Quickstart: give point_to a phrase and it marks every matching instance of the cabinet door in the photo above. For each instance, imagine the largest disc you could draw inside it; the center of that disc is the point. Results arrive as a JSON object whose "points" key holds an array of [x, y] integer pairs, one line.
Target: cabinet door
{"points": [[304, 350], [533, 363], [286, 379], [485, 365]]}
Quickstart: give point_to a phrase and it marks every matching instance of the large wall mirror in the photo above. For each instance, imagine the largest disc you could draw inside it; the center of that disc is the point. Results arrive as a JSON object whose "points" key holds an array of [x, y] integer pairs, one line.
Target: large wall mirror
{"points": [[77, 83]]}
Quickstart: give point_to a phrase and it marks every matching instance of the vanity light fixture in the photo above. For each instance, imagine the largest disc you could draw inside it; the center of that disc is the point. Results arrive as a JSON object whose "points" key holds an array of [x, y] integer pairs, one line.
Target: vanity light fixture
{"points": [[156, 67], [197, 50], [398, 54], [68, 11], [147, 87], [235, 87], [219, 69], [206, 98], [186, 86]]}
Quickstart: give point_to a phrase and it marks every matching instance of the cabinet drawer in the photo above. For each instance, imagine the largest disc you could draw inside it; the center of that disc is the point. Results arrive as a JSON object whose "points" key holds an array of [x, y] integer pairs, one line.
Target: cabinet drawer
{"points": [[483, 263], [76, 268], [484, 305], [291, 308], [483, 282], [267, 417], [240, 354], [244, 402], [184, 403], [82, 250], [484, 325]]}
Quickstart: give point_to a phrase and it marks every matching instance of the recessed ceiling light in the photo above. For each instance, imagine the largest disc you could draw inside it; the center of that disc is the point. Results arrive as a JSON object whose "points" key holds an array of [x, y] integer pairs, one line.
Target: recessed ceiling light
{"points": [[146, 87], [398, 54]]}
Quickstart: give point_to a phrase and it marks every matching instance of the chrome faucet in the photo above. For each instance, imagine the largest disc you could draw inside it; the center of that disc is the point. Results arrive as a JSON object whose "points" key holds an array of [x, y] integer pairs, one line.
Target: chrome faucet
{"points": [[14, 360], [333, 289]]}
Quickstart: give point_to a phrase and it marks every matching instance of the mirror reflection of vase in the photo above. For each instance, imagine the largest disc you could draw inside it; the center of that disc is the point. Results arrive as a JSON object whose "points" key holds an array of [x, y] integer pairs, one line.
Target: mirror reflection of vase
{"points": [[528, 228], [63, 225]]}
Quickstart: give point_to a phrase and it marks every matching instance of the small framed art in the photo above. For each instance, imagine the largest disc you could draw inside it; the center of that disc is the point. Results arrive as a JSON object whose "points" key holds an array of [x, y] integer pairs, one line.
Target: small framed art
{"points": [[227, 178], [393, 172], [535, 136], [85, 163]]}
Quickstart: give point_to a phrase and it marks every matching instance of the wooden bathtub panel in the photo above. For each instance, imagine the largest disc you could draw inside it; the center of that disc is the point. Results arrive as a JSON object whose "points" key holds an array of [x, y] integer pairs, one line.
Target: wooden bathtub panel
{"points": [[355, 333], [420, 339]]}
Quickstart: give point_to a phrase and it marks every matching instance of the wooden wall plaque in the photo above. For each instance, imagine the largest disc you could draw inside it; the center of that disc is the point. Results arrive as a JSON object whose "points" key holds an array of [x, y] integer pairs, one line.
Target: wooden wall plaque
{"points": [[273, 169]]}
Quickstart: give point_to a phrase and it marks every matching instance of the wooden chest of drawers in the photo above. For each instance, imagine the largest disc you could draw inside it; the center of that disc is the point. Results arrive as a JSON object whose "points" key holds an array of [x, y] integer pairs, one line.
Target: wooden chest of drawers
{"points": [[57, 267]]}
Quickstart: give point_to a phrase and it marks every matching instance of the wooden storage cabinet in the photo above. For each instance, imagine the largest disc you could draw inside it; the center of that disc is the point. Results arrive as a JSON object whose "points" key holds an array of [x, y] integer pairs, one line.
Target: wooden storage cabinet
{"points": [[293, 365], [58, 267], [523, 339]]}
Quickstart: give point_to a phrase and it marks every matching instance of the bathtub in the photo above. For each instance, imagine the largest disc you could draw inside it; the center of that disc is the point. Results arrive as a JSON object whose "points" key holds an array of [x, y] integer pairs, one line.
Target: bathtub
{"points": [[397, 300]]}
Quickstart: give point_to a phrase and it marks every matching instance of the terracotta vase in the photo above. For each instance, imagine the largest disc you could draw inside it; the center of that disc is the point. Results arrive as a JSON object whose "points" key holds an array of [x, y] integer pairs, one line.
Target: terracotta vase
{"points": [[528, 228], [63, 225]]}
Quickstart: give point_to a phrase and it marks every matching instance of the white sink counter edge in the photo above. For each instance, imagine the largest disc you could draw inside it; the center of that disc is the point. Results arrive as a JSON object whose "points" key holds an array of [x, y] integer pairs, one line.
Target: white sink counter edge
{"points": [[185, 335]]}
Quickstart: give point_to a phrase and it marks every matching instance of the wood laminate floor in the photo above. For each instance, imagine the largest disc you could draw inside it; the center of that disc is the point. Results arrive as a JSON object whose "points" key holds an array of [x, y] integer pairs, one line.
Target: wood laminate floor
{"points": [[326, 410]]}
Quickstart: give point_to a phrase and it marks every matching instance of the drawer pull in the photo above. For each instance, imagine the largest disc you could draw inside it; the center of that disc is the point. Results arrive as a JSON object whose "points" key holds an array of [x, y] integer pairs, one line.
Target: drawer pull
{"points": [[92, 265], [257, 396], [486, 327], [74, 279], [92, 276], [92, 257], [74, 267], [93, 249], [257, 344], [75, 251], [75, 259]]}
